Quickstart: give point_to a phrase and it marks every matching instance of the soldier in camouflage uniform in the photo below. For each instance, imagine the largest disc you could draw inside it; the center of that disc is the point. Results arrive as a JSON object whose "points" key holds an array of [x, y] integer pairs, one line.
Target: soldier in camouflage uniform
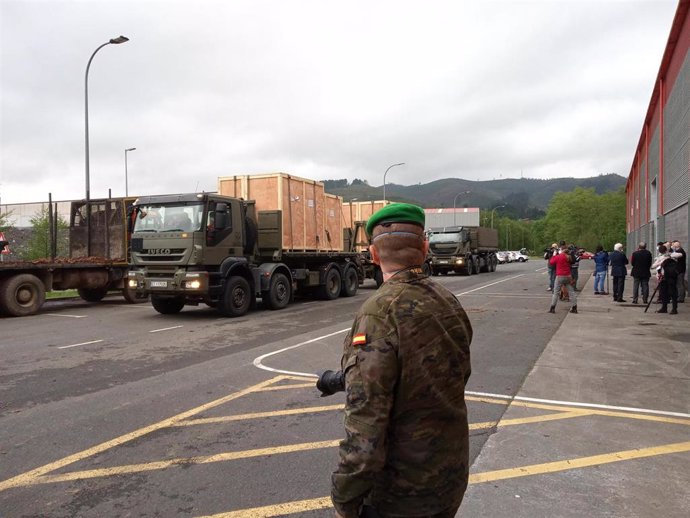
{"points": [[406, 362]]}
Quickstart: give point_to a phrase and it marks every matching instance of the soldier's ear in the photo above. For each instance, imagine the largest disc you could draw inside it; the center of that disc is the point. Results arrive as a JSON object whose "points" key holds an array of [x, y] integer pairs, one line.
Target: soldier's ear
{"points": [[374, 255], [426, 247]]}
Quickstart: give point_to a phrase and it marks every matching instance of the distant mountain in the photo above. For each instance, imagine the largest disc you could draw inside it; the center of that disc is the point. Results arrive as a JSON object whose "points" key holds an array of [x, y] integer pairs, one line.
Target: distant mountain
{"points": [[523, 197]]}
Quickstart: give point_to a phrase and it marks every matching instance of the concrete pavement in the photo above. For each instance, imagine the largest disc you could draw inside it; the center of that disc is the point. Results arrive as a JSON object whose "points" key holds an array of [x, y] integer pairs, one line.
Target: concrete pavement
{"points": [[601, 425]]}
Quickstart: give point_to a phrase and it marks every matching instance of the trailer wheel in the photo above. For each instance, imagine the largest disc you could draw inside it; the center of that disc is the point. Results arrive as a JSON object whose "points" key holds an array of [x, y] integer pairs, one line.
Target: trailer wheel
{"points": [[21, 295], [236, 298], [350, 283], [331, 287], [167, 306], [378, 277], [92, 294], [279, 294]]}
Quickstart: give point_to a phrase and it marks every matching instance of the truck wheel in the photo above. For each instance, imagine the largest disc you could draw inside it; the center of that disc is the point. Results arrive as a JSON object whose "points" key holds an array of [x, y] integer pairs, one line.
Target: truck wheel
{"points": [[470, 267], [236, 298], [350, 283], [279, 294], [21, 295], [92, 294], [426, 269], [131, 296], [378, 277], [166, 306], [331, 287]]}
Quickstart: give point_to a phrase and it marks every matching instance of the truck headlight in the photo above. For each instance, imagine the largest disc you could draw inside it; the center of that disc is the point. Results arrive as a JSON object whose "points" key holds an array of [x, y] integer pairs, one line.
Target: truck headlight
{"points": [[459, 261], [132, 283], [192, 285]]}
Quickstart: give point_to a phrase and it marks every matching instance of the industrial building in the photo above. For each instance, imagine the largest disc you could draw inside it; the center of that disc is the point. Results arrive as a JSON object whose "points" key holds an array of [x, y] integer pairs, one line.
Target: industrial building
{"points": [[658, 187]]}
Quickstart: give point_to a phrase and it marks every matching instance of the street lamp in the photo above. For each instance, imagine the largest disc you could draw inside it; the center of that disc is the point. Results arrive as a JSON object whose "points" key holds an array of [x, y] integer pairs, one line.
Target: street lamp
{"points": [[126, 185], [454, 200], [114, 41], [492, 214], [384, 178]]}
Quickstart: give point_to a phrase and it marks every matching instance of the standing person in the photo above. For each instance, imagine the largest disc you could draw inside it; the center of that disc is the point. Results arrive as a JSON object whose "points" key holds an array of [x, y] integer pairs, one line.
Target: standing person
{"points": [[561, 263], [618, 271], [552, 271], [667, 273], [682, 285], [601, 266], [406, 362], [575, 265], [641, 262]]}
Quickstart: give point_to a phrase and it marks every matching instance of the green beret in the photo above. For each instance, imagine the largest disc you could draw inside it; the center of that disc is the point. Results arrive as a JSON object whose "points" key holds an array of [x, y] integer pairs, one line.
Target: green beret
{"points": [[396, 213]]}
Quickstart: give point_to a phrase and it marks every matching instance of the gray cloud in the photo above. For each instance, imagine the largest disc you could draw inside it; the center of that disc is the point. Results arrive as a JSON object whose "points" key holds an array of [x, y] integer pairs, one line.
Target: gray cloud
{"points": [[320, 89]]}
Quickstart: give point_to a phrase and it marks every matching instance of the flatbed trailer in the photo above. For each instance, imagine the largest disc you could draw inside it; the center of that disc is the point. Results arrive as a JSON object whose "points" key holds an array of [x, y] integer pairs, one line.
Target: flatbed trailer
{"points": [[24, 284]]}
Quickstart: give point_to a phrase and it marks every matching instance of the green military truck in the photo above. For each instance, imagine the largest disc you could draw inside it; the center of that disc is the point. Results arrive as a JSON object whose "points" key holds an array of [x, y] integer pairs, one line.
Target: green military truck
{"points": [[218, 250], [465, 250]]}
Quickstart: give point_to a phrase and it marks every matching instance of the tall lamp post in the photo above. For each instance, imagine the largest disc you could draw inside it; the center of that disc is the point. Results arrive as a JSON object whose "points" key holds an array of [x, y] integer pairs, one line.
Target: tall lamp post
{"points": [[384, 178], [113, 41], [492, 214], [126, 181], [454, 200]]}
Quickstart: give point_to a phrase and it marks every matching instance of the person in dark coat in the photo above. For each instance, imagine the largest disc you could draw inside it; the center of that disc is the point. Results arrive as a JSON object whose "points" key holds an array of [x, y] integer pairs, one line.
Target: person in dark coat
{"points": [[682, 285], [641, 262], [618, 271]]}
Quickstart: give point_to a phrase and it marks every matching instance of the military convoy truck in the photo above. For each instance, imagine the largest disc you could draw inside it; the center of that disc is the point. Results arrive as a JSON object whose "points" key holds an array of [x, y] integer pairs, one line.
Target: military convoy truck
{"points": [[97, 262], [465, 250], [220, 251]]}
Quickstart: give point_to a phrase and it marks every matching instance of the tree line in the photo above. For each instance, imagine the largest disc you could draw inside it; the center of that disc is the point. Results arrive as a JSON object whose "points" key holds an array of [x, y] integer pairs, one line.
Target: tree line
{"points": [[581, 216]]}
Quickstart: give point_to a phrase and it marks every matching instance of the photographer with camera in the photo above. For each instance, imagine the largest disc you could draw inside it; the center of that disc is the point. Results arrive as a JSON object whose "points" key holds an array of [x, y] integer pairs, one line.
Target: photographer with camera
{"points": [[405, 365]]}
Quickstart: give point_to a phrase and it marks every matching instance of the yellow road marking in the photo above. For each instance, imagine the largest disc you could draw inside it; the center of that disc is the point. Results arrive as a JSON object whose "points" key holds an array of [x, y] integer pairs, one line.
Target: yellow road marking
{"points": [[289, 387], [270, 511], [591, 411], [258, 415], [476, 478], [582, 462], [28, 477], [527, 420], [184, 461]]}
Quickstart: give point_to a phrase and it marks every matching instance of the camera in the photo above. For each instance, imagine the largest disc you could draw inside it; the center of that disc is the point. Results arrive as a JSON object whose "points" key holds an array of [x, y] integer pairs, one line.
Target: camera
{"points": [[330, 382]]}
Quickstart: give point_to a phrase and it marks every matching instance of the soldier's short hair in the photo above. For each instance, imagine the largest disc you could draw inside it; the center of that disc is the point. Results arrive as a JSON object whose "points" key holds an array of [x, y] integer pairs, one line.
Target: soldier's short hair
{"points": [[399, 243]]}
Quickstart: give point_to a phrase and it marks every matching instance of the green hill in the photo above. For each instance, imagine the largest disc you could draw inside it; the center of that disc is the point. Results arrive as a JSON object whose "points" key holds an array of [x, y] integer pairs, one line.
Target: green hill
{"points": [[523, 197]]}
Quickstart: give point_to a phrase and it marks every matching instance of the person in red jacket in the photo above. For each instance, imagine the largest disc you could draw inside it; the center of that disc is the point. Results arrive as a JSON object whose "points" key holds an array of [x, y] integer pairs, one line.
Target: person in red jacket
{"points": [[562, 261]]}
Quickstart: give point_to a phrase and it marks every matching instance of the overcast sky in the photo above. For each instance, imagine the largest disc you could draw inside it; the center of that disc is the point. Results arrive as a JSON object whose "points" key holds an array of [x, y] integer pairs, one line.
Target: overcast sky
{"points": [[321, 89]]}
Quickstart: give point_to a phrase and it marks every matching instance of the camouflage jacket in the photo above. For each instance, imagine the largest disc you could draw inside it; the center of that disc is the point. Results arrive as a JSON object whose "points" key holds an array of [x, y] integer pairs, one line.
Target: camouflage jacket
{"points": [[406, 362]]}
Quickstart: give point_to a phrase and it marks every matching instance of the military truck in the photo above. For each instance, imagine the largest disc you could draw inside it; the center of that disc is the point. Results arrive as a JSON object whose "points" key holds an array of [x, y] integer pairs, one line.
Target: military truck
{"points": [[465, 250], [97, 262], [219, 250]]}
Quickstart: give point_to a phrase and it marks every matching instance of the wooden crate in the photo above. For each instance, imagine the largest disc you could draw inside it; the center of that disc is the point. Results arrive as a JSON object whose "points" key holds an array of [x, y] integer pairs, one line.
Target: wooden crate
{"points": [[360, 210], [311, 218]]}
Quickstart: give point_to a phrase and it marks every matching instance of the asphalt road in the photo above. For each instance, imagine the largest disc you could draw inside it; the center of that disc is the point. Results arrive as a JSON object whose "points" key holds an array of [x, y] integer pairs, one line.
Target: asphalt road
{"points": [[111, 409]]}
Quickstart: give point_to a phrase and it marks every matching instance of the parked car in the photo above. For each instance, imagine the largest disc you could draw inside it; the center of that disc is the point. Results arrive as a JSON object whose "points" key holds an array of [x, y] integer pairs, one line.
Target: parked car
{"points": [[519, 257], [584, 254], [503, 257]]}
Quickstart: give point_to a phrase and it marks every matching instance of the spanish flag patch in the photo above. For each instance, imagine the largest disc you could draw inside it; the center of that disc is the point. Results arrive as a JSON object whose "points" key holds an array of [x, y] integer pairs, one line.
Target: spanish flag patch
{"points": [[359, 340]]}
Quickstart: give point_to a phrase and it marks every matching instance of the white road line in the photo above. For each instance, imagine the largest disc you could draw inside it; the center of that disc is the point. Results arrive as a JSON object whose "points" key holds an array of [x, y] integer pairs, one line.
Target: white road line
{"points": [[487, 285], [65, 316], [257, 361], [165, 329], [576, 404], [83, 343]]}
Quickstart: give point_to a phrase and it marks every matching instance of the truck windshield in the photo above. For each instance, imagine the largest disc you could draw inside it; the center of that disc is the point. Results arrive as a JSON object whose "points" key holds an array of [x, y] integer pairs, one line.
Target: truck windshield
{"points": [[451, 237], [183, 217]]}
